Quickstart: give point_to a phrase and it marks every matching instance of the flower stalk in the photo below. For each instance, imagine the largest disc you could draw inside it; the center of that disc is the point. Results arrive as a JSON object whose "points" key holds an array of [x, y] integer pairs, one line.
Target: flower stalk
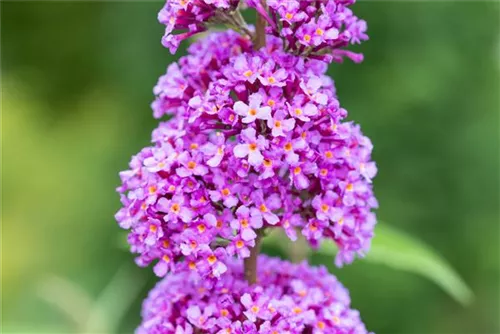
{"points": [[250, 263]]}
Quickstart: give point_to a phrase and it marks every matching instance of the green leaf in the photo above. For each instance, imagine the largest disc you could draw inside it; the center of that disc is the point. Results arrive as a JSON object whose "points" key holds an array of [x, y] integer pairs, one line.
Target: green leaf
{"points": [[397, 250], [402, 252]]}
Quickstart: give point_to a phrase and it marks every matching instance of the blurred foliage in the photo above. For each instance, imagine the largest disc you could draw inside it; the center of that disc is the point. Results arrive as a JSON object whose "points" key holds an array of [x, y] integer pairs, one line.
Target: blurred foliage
{"points": [[392, 248], [76, 88]]}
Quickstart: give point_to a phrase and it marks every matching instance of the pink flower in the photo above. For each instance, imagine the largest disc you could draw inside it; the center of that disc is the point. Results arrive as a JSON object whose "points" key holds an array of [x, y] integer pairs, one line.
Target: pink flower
{"points": [[253, 110], [251, 147]]}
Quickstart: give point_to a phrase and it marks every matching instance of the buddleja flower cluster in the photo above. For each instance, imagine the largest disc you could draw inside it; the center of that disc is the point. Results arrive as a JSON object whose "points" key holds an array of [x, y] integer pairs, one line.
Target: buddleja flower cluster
{"points": [[289, 299], [255, 140], [318, 29]]}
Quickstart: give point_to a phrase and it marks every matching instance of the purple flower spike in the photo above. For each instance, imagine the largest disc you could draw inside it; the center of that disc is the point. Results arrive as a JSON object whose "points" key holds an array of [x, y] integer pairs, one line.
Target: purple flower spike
{"points": [[289, 299], [240, 155]]}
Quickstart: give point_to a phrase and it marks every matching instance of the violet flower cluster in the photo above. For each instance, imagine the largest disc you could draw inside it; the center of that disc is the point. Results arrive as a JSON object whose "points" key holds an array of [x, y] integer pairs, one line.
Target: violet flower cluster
{"points": [[289, 299], [255, 140], [318, 29]]}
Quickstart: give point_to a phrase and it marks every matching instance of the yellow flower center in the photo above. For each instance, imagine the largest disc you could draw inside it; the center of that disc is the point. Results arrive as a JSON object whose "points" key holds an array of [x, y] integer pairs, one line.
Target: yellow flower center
{"points": [[191, 165], [252, 112], [307, 37], [252, 146], [248, 73], [297, 170], [240, 244]]}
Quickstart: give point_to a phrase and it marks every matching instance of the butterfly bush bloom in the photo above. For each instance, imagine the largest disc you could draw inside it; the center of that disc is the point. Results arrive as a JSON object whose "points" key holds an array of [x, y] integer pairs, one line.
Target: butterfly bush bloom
{"points": [[243, 155], [288, 299], [192, 16], [320, 29]]}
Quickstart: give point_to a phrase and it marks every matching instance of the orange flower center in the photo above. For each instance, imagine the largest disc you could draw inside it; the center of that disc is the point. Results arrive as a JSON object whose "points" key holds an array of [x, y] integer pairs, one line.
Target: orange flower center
{"points": [[263, 208], [324, 207], [191, 165], [175, 208], [201, 228], [212, 259]]}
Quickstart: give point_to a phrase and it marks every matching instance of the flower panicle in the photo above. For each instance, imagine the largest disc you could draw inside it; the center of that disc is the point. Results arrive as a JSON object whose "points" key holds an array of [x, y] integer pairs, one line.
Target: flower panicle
{"points": [[320, 29]]}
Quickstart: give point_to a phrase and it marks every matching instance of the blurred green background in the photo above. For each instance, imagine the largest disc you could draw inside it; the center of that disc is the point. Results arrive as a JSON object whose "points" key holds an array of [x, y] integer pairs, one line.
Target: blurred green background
{"points": [[77, 82]]}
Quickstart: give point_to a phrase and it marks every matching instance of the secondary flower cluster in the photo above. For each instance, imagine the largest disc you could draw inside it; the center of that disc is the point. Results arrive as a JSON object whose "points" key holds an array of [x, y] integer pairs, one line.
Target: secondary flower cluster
{"points": [[318, 29], [288, 299], [256, 142]]}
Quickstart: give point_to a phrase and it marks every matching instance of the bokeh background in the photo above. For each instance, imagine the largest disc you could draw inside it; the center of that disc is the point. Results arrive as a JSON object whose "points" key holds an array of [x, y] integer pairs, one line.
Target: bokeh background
{"points": [[77, 82]]}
